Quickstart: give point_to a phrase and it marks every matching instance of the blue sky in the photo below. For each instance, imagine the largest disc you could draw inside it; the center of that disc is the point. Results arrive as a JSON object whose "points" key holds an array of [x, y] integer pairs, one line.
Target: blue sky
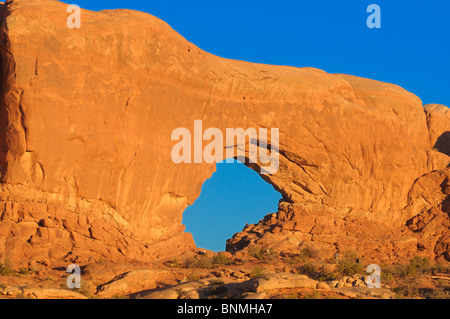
{"points": [[233, 196], [411, 50]]}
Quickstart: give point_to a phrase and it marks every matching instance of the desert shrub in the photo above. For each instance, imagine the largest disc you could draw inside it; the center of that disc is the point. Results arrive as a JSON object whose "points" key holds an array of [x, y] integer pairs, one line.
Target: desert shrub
{"points": [[407, 270], [256, 273], [308, 269], [202, 261], [438, 294], [306, 253], [443, 283], [174, 264], [416, 266], [314, 272], [221, 259], [349, 265], [439, 268], [262, 253], [294, 261], [5, 268], [216, 282], [309, 253], [387, 277], [192, 277], [388, 273], [190, 263], [327, 277], [421, 264], [408, 289]]}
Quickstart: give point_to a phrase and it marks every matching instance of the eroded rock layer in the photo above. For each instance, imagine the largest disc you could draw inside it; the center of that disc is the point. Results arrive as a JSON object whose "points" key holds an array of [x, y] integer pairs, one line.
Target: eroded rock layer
{"points": [[86, 117]]}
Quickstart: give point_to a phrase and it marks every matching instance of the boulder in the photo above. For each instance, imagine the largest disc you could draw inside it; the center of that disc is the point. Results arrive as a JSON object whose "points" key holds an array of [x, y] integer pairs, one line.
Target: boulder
{"points": [[322, 285], [282, 281], [132, 282], [163, 294], [49, 293]]}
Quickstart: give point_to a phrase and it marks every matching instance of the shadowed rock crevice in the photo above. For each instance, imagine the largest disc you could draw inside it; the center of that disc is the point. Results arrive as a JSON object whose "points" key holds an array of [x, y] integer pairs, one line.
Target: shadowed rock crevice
{"points": [[3, 123], [3, 111], [445, 187], [443, 143]]}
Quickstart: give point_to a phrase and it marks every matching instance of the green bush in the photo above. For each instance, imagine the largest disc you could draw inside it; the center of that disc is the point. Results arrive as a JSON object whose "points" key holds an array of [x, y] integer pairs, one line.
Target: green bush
{"points": [[192, 277], [349, 265], [408, 289], [422, 264], [174, 264], [294, 261], [5, 268], [309, 270], [202, 261], [439, 268], [216, 282], [327, 277], [418, 265], [221, 259], [387, 277], [256, 273], [262, 253], [438, 294], [443, 283], [314, 272], [309, 253]]}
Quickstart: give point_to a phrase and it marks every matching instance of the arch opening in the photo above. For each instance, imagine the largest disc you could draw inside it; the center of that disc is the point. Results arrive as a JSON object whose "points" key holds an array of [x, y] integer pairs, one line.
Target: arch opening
{"points": [[233, 196]]}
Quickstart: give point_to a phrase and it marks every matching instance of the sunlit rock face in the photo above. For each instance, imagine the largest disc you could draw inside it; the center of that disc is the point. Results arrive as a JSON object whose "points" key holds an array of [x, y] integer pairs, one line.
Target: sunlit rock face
{"points": [[86, 122]]}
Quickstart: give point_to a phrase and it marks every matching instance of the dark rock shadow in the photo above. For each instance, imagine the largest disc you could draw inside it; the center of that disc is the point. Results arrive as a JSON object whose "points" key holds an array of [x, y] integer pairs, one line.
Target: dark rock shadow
{"points": [[443, 143], [445, 188], [446, 205], [3, 119]]}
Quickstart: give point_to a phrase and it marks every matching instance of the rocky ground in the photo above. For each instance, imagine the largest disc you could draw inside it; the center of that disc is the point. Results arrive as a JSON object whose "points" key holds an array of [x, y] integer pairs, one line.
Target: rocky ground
{"points": [[361, 164], [260, 274]]}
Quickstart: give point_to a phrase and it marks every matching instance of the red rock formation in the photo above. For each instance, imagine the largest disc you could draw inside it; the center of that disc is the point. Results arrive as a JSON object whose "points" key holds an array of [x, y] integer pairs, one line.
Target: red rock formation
{"points": [[86, 117]]}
